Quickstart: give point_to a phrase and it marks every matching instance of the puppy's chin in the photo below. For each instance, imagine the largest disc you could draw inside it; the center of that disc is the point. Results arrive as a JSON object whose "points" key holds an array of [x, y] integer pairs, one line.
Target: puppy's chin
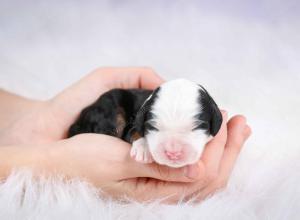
{"points": [[162, 160], [190, 148]]}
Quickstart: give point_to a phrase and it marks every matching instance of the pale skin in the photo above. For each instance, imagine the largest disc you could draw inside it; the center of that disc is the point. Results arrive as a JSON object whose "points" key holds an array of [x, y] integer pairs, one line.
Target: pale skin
{"points": [[33, 135]]}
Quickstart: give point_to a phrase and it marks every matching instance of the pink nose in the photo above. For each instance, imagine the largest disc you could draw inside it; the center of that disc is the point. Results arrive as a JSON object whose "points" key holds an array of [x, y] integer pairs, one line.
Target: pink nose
{"points": [[174, 155]]}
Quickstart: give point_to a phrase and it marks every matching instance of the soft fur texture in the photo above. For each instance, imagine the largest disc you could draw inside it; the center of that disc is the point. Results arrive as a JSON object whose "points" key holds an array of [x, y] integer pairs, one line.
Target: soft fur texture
{"points": [[169, 125], [113, 113], [245, 53], [178, 120]]}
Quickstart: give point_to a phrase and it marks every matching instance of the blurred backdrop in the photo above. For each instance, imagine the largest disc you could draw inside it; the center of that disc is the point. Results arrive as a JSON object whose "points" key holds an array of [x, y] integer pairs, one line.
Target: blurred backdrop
{"points": [[247, 53]]}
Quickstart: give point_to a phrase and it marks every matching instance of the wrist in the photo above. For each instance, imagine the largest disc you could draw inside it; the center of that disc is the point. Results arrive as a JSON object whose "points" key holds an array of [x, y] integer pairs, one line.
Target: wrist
{"points": [[14, 107], [22, 157], [25, 125]]}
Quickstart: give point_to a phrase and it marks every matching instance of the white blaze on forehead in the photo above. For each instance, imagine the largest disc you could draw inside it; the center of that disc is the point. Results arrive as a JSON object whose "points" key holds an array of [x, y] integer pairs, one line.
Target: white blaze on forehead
{"points": [[174, 109], [176, 105]]}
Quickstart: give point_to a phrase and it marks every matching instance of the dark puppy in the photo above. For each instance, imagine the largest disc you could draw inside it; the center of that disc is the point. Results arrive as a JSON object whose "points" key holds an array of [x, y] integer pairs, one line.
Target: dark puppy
{"points": [[112, 114], [169, 125]]}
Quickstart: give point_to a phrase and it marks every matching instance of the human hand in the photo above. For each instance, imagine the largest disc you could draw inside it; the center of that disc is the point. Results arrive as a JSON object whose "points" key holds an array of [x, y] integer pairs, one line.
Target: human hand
{"points": [[104, 162], [213, 169], [47, 121]]}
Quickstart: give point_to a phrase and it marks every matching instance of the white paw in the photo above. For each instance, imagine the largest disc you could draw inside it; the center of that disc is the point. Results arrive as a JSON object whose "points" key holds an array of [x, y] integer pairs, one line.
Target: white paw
{"points": [[140, 152]]}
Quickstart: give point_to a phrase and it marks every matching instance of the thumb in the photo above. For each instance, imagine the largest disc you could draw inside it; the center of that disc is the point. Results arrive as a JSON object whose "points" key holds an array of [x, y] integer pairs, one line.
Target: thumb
{"points": [[189, 173]]}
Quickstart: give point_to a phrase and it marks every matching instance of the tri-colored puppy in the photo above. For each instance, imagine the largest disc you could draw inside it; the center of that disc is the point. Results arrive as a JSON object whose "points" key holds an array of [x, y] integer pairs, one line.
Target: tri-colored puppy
{"points": [[169, 125]]}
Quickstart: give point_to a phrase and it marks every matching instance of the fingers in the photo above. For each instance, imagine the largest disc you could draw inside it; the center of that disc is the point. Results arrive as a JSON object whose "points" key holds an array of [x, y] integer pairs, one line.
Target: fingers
{"points": [[90, 87], [172, 192], [213, 151], [71, 101], [238, 133], [188, 173], [128, 77]]}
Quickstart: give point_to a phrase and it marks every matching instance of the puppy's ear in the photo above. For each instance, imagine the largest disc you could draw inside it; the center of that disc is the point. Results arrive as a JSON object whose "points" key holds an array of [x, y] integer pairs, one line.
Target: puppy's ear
{"points": [[142, 120], [210, 112]]}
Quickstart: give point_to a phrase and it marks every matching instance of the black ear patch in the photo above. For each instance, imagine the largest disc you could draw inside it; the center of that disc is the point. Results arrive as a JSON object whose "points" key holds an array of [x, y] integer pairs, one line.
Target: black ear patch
{"points": [[210, 117], [142, 122]]}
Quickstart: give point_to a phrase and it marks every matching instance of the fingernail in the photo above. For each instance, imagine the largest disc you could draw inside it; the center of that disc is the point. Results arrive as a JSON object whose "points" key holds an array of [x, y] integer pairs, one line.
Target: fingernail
{"points": [[191, 171]]}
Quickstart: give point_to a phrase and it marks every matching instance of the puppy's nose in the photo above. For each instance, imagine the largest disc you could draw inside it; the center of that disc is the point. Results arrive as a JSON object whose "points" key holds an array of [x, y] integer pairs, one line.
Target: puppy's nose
{"points": [[174, 155]]}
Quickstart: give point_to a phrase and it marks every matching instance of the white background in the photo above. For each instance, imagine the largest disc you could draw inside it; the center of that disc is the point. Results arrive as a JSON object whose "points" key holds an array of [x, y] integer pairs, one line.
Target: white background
{"points": [[246, 53]]}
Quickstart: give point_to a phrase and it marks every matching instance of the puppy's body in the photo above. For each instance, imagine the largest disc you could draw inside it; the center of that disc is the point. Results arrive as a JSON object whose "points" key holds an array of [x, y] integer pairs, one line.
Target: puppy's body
{"points": [[169, 125], [112, 114]]}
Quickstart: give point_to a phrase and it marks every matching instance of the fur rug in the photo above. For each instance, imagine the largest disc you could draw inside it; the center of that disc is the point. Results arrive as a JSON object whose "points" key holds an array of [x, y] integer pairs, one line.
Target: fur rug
{"points": [[245, 53]]}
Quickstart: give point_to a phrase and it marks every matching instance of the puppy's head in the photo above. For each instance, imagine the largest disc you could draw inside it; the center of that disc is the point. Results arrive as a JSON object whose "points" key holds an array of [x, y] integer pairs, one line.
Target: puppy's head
{"points": [[177, 120]]}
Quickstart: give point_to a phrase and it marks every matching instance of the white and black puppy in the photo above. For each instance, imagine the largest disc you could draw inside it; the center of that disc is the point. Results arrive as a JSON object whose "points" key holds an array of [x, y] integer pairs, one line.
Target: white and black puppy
{"points": [[169, 125]]}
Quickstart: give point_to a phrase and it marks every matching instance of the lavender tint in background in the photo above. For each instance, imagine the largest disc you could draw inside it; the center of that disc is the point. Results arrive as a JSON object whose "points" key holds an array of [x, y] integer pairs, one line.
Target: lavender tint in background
{"points": [[44, 40], [246, 53]]}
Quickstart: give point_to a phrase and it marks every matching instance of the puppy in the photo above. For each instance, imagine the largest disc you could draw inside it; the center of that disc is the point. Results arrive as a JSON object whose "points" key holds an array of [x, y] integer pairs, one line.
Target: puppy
{"points": [[169, 125]]}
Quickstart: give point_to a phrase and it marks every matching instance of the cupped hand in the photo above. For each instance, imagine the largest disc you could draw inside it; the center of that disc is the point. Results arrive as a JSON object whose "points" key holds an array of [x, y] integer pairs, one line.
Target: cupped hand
{"points": [[104, 161], [48, 121], [210, 175]]}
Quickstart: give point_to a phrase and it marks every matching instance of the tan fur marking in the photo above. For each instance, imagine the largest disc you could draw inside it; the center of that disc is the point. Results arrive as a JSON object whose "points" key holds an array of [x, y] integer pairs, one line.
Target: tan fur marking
{"points": [[121, 123], [135, 136]]}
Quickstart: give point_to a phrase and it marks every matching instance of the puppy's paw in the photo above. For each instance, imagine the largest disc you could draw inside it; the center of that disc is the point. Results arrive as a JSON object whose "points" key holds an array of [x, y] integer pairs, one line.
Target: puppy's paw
{"points": [[140, 151]]}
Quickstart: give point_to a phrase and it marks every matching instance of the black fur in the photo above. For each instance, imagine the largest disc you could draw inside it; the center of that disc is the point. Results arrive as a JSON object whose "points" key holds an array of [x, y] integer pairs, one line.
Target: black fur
{"points": [[101, 116], [131, 108], [210, 117], [142, 122]]}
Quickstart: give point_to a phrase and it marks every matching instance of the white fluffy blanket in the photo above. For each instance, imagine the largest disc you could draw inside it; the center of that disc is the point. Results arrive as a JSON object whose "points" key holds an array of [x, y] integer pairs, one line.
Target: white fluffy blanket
{"points": [[246, 53]]}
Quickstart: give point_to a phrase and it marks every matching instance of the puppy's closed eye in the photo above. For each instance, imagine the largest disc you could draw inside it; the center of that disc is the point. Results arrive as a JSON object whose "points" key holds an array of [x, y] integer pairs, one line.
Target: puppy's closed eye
{"points": [[204, 125], [150, 127]]}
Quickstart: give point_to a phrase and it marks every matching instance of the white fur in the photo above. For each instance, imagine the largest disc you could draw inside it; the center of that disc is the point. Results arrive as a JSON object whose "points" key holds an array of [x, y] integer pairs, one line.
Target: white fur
{"points": [[140, 151], [174, 110], [246, 53]]}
